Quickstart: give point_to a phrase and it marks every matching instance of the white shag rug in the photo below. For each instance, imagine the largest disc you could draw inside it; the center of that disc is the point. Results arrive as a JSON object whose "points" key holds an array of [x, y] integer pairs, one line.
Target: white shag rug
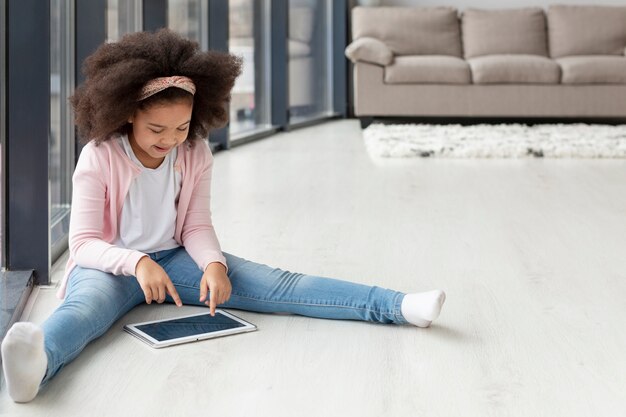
{"points": [[496, 141]]}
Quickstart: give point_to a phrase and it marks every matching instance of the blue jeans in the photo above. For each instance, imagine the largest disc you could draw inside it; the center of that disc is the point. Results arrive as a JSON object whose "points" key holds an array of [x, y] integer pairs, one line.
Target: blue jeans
{"points": [[95, 299]]}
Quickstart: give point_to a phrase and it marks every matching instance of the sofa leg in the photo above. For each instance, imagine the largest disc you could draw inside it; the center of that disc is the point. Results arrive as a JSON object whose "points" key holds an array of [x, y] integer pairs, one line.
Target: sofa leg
{"points": [[366, 121]]}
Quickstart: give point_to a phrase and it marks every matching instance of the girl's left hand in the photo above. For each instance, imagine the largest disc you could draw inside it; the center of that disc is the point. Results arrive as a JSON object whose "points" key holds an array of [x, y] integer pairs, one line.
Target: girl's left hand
{"points": [[217, 283]]}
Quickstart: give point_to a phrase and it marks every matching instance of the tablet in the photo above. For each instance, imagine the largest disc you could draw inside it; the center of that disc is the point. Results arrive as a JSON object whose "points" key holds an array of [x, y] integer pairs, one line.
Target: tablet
{"points": [[162, 333]]}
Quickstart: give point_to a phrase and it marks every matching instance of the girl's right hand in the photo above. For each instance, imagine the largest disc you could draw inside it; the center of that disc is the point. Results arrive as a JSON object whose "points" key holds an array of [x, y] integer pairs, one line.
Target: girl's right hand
{"points": [[154, 281]]}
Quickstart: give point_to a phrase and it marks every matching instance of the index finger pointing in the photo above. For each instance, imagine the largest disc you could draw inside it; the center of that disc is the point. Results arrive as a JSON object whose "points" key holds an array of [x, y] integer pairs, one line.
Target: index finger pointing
{"points": [[213, 302], [171, 290]]}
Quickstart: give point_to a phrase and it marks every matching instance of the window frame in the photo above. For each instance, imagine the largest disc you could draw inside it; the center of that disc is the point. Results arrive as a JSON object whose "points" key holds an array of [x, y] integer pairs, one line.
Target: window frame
{"points": [[27, 122], [3, 59]]}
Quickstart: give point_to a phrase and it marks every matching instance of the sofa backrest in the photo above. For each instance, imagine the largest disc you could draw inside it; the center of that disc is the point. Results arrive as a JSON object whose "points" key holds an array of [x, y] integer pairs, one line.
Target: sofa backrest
{"points": [[410, 30], [507, 31], [586, 30]]}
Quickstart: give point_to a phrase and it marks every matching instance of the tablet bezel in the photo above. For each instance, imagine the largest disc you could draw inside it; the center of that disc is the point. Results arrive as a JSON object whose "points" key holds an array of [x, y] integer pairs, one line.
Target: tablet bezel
{"points": [[146, 338]]}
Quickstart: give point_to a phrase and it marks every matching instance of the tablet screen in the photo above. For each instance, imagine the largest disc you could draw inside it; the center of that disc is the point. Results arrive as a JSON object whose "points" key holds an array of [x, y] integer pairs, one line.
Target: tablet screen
{"points": [[189, 326]]}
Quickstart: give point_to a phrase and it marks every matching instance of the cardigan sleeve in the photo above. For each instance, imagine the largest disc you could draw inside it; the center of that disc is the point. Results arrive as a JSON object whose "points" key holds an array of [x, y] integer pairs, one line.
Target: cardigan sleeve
{"points": [[198, 234], [86, 243]]}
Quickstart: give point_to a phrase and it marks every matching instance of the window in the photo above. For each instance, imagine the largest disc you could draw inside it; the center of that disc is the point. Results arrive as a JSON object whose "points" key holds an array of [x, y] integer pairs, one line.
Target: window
{"points": [[309, 59], [123, 16], [61, 136], [190, 19], [248, 38]]}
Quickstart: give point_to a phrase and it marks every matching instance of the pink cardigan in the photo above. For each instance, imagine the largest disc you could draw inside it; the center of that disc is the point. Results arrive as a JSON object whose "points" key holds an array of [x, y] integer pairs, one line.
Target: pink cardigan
{"points": [[101, 181]]}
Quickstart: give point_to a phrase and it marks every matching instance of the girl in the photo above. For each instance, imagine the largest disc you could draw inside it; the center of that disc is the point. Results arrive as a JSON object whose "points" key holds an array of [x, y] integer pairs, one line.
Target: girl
{"points": [[141, 229]]}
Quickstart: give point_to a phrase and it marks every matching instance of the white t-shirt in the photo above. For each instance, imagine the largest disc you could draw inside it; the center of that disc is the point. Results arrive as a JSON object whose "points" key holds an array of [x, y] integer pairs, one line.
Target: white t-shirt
{"points": [[148, 219]]}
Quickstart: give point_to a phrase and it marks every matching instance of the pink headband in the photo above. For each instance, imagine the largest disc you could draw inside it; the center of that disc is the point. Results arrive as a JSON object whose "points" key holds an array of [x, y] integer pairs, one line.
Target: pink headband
{"points": [[159, 84]]}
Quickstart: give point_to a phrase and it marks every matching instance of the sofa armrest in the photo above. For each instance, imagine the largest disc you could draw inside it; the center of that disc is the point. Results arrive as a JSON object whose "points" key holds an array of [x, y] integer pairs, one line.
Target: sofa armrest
{"points": [[369, 50]]}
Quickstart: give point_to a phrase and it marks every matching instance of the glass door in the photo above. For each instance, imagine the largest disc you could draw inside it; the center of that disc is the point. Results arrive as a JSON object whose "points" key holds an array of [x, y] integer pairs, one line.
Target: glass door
{"points": [[123, 16], [249, 38], [190, 19], [309, 60], [61, 136]]}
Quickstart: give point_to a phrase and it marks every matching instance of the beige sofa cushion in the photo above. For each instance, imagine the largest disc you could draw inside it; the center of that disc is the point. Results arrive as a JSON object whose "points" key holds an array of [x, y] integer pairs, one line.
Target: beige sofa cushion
{"points": [[595, 69], [428, 69], [410, 30], [512, 31], [514, 69], [369, 50], [586, 30]]}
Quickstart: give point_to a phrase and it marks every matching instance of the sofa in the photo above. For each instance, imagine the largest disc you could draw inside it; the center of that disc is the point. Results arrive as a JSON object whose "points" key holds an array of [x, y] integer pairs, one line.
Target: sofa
{"points": [[563, 62]]}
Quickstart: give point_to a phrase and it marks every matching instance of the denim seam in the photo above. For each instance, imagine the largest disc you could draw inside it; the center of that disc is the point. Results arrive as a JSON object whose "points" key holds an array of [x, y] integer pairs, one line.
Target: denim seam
{"points": [[312, 304]]}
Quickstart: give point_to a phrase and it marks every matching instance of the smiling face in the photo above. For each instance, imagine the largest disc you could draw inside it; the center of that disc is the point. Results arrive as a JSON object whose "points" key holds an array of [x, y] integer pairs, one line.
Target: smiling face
{"points": [[156, 130]]}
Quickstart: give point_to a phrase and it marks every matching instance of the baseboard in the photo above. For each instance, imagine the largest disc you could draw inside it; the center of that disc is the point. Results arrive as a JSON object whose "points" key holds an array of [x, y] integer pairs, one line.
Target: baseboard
{"points": [[15, 288]]}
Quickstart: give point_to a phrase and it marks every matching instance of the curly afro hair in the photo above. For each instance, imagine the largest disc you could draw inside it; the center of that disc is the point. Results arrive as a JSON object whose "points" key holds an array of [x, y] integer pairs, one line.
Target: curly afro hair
{"points": [[116, 72]]}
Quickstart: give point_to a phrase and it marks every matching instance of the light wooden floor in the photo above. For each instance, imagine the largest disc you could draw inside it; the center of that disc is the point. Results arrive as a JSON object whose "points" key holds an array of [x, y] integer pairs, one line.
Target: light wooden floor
{"points": [[531, 254]]}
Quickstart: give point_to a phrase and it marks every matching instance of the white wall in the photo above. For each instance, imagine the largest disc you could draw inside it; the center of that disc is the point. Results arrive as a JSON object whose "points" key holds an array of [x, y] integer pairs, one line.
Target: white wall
{"points": [[497, 4]]}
